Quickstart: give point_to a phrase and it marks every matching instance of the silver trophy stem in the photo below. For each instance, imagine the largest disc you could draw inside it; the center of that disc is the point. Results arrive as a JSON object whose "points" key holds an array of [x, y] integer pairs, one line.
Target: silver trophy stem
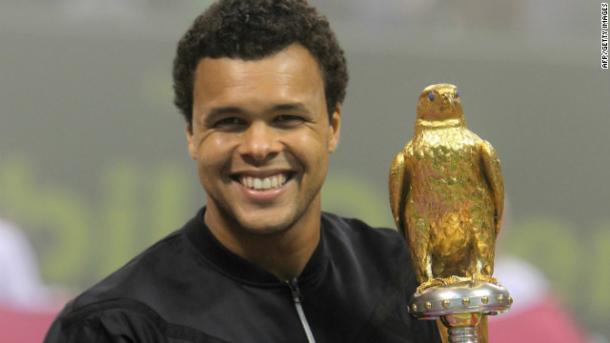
{"points": [[461, 307], [463, 334], [462, 327]]}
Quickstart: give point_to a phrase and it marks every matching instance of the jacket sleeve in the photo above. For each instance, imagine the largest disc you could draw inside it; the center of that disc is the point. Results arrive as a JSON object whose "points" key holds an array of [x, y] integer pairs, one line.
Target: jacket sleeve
{"points": [[110, 326]]}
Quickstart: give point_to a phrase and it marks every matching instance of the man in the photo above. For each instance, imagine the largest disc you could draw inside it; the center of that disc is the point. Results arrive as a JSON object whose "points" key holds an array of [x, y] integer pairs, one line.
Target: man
{"points": [[260, 83]]}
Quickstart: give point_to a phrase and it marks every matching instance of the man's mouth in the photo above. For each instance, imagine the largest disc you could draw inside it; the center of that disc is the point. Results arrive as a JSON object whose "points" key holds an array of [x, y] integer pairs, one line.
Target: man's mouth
{"points": [[264, 183]]}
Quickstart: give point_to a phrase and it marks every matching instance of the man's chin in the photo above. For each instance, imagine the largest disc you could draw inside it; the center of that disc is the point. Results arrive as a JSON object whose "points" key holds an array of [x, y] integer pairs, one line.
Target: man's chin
{"points": [[265, 227], [265, 222]]}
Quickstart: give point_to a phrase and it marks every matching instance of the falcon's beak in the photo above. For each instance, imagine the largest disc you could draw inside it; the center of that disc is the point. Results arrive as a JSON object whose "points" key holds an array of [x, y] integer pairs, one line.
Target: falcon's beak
{"points": [[447, 101]]}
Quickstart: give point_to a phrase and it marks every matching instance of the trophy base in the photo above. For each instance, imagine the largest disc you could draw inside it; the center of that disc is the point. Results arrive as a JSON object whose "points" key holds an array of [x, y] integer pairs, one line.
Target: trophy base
{"points": [[461, 307]]}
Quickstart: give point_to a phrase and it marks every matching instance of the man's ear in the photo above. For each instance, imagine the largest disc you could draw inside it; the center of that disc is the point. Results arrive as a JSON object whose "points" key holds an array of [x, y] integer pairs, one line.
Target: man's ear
{"points": [[335, 129], [190, 143]]}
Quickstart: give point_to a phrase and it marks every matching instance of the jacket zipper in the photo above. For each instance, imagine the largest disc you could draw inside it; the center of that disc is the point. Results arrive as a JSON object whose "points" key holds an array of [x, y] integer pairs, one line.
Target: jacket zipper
{"points": [[296, 299]]}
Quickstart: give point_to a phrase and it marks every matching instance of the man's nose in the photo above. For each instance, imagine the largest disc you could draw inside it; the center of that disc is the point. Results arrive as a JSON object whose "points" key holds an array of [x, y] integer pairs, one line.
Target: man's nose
{"points": [[259, 144]]}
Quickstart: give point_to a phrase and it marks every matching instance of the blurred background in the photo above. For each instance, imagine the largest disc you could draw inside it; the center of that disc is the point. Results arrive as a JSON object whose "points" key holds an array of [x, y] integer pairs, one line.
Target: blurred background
{"points": [[94, 167]]}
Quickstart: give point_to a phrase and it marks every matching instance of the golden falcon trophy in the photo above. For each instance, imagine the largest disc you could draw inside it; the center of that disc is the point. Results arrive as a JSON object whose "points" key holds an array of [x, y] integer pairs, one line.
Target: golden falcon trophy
{"points": [[447, 197]]}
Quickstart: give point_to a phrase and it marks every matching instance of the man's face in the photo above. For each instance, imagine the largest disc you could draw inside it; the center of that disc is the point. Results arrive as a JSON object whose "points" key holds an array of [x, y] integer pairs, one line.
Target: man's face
{"points": [[261, 137]]}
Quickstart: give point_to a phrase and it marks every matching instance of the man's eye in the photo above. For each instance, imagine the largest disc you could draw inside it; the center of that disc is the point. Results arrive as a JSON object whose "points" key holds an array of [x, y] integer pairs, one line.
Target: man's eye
{"points": [[289, 120], [230, 122]]}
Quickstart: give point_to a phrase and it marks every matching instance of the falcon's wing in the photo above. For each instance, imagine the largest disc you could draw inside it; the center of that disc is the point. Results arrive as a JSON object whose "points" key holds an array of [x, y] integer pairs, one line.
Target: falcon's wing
{"points": [[399, 183], [493, 175]]}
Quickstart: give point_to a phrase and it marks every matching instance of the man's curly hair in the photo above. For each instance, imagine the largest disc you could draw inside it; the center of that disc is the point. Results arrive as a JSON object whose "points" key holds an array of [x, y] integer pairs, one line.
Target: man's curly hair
{"points": [[254, 29]]}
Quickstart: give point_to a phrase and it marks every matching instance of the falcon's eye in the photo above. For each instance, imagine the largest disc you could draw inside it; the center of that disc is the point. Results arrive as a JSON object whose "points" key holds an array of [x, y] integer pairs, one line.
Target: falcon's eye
{"points": [[431, 96]]}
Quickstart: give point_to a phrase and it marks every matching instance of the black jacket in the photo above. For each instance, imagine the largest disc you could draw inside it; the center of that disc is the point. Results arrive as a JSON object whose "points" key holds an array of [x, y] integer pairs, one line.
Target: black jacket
{"points": [[189, 288]]}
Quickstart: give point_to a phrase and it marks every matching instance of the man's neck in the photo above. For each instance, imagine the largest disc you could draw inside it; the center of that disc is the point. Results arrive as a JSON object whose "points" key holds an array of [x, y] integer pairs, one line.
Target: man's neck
{"points": [[283, 254]]}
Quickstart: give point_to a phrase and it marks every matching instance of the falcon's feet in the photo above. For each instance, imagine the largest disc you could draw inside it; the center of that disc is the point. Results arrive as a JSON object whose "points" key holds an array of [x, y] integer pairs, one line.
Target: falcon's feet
{"points": [[455, 280], [483, 278], [429, 284]]}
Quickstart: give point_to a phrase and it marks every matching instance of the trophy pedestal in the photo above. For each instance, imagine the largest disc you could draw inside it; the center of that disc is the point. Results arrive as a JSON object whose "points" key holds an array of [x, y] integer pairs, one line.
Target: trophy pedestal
{"points": [[461, 307]]}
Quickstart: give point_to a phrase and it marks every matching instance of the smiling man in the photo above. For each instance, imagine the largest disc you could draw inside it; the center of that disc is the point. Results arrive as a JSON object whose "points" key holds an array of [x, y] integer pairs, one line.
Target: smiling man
{"points": [[260, 84], [261, 136]]}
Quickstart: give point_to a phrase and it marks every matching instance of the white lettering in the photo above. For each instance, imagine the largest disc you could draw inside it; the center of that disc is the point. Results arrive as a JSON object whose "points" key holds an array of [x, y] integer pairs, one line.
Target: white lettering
{"points": [[604, 35]]}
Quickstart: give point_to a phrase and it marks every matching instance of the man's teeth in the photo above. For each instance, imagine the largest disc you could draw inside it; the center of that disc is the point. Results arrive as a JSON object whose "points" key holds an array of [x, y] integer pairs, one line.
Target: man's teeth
{"points": [[270, 182]]}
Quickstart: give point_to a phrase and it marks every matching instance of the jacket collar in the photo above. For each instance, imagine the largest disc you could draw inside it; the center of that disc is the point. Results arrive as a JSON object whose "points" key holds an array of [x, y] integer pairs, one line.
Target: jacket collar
{"points": [[242, 270]]}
